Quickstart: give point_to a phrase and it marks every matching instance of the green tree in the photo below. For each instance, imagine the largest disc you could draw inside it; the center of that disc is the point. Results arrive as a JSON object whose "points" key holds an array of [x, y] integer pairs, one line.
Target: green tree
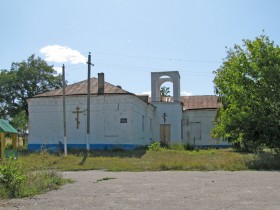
{"points": [[20, 121], [248, 85], [164, 91], [24, 80]]}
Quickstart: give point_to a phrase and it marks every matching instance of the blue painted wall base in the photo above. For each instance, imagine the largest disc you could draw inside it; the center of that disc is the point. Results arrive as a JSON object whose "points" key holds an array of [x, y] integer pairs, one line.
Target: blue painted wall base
{"points": [[60, 147]]}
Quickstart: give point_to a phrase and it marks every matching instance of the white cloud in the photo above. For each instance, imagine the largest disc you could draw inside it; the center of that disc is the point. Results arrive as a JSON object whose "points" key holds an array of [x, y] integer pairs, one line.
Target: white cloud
{"points": [[146, 93], [58, 69], [61, 54], [185, 93]]}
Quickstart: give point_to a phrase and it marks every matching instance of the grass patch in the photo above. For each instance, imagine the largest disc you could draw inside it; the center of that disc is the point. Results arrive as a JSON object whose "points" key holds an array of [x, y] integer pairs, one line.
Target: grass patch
{"points": [[35, 173], [105, 179], [155, 160]]}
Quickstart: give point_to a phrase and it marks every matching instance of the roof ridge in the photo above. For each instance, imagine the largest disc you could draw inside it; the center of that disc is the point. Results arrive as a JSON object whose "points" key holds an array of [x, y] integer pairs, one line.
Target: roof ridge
{"points": [[80, 88]]}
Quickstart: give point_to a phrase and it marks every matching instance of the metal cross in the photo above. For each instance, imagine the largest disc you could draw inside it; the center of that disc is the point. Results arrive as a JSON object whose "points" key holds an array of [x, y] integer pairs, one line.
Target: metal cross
{"points": [[164, 116], [77, 118]]}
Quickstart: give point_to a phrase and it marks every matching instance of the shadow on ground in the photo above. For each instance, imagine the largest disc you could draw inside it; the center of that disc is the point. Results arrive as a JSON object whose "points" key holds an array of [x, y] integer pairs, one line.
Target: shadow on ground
{"points": [[137, 153], [265, 161]]}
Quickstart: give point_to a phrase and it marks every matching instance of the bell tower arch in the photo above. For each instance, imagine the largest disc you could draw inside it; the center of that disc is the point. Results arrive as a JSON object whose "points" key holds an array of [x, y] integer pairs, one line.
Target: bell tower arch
{"points": [[157, 81]]}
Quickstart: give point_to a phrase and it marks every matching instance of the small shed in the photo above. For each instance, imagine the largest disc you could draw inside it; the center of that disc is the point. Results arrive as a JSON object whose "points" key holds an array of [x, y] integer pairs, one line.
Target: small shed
{"points": [[7, 128]]}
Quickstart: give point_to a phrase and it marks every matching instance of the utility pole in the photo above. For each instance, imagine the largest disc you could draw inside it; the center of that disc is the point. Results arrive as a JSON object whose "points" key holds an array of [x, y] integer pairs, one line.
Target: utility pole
{"points": [[64, 112], [88, 102]]}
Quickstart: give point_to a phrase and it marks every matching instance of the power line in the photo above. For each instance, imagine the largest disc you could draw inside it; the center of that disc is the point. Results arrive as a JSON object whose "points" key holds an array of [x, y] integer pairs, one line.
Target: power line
{"points": [[144, 69], [161, 58]]}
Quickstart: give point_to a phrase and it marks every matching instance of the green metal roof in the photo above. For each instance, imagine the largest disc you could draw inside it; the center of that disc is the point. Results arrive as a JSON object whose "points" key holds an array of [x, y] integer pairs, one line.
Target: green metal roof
{"points": [[6, 127]]}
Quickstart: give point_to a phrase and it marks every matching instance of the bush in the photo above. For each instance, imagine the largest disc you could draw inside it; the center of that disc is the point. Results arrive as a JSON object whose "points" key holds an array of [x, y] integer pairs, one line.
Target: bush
{"points": [[28, 178], [188, 146], [9, 146], [155, 146], [176, 147], [11, 179]]}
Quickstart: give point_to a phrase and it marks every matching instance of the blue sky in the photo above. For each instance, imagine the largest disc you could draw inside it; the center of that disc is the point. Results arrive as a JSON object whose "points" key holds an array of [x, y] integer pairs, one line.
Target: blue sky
{"points": [[128, 39]]}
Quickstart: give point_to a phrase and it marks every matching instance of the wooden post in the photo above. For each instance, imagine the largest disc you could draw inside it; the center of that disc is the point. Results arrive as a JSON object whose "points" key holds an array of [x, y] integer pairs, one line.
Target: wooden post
{"points": [[3, 146], [14, 138]]}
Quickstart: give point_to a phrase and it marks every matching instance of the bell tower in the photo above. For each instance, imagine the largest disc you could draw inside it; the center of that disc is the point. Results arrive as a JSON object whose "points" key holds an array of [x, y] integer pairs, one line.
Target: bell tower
{"points": [[168, 114]]}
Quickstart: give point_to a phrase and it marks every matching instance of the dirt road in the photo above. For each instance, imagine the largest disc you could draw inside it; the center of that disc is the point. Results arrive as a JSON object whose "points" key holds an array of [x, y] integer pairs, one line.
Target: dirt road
{"points": [[160, 190]]}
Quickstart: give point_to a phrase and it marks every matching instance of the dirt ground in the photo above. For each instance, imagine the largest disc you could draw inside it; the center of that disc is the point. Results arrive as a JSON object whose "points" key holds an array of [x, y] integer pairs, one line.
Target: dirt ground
{"points": [[160, 190]]}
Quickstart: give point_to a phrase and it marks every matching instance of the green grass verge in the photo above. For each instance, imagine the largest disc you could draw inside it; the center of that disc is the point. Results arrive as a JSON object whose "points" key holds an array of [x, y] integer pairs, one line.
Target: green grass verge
{"points": [[163, 159]]}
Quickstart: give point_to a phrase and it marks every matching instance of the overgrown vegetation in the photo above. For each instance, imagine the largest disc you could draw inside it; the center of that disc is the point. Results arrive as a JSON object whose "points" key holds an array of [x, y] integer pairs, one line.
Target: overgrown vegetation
{"points": [[21, 179]]}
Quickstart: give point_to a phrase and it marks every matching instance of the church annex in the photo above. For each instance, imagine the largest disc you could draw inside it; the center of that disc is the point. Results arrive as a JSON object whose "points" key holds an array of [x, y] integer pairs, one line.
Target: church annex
{"points": [[120, 119]]}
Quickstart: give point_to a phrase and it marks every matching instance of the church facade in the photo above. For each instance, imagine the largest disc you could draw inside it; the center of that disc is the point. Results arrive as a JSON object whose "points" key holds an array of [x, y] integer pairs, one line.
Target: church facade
{"points": [[118, 118]]}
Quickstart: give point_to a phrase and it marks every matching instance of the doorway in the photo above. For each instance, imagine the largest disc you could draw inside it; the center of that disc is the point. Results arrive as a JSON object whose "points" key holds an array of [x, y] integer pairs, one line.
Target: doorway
{"points": [[165, 134]]}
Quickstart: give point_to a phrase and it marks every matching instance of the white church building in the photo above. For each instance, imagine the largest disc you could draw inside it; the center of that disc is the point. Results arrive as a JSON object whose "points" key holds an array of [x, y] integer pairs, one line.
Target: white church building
{"points": [[120, 119]]}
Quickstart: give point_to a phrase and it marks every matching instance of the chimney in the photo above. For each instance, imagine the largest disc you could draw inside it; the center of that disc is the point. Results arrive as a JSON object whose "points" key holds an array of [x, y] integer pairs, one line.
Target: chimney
{"points": [[100, 83]]}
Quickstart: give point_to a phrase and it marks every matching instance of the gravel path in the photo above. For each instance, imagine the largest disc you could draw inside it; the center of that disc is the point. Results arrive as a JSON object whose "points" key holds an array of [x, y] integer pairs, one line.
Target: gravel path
{"points": [[160, 190]]}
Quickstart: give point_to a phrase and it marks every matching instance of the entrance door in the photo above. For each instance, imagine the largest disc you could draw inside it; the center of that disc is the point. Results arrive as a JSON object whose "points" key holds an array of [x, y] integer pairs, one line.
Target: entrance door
{"points": [[165, 134], [195, 132]]}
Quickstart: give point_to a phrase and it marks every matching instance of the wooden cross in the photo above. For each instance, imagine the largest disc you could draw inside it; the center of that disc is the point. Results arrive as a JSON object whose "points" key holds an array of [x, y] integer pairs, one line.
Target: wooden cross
{"points": [[77, 118]]}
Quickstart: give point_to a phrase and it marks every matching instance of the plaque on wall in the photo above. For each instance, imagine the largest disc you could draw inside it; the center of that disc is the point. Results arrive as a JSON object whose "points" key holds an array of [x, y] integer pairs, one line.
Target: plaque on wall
{"points": [[123, 120]]}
